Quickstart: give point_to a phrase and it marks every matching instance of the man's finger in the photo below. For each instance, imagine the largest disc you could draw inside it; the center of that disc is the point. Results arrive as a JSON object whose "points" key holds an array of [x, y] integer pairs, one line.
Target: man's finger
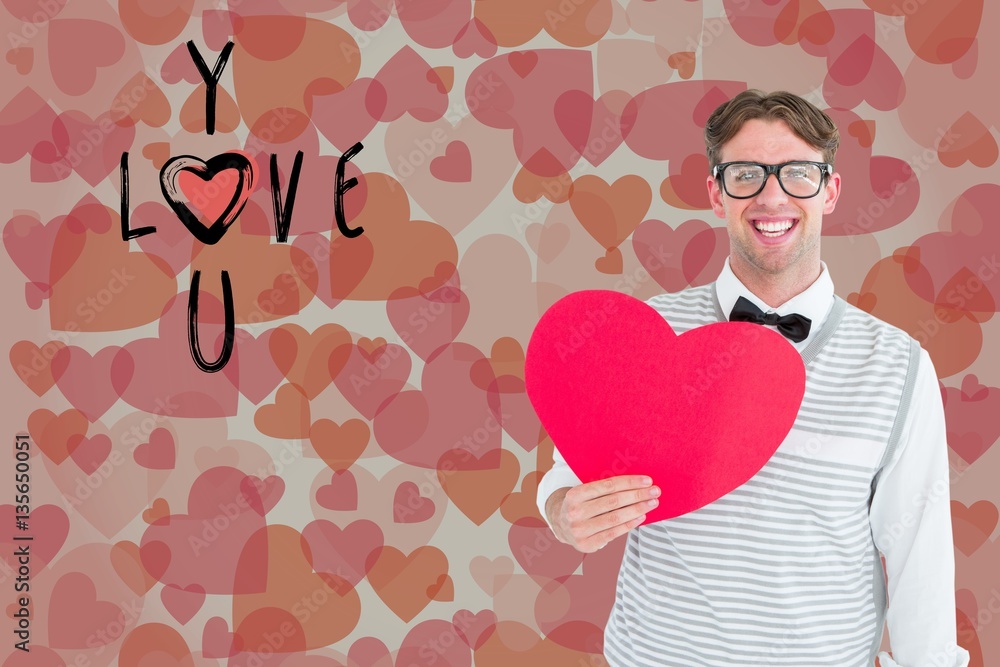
{"points": [[603, 487], [601, 539]]}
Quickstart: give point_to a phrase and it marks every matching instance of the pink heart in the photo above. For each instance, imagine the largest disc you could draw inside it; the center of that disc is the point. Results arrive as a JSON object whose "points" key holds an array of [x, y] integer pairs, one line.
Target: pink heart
{"points": [[474, 38], [474, 629], [346, 117], [76, 611], [341, 494], [49, 528], [369, 651], [539, 552], [24, 121], [252, 369], [217, 641], [90, 147], [157, 454], [172, 242], [408, 506], [405, 88], [419, 426], [455, 166], [675, 258], [343, 553], [620, 393], [425, 322], [262, 494], [92, 384], [89, 453], [77, 48], [179, 66], [182, 603], [590, 125], [314, 260], [369, 385]]}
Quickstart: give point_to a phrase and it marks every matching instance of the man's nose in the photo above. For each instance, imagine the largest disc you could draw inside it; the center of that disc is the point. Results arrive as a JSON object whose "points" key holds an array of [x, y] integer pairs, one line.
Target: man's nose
{"points": [[772, 193]]}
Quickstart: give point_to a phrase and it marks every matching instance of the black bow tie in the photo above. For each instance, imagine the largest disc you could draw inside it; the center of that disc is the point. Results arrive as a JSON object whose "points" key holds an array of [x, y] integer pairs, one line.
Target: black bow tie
{"points": [[794, 327]]}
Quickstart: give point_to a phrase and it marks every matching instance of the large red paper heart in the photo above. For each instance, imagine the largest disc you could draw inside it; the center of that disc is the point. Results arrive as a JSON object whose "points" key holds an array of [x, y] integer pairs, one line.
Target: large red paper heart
{"points": [[218, 188], [620, 393]]}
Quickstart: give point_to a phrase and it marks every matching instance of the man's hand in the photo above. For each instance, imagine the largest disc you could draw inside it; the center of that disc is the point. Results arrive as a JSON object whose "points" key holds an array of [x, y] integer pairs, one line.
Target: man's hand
{"points": [[590, 515]]}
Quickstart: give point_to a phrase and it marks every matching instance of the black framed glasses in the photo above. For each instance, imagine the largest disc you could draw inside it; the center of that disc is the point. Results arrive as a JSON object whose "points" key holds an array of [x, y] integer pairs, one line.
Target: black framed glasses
{"points": [[801, 179]]}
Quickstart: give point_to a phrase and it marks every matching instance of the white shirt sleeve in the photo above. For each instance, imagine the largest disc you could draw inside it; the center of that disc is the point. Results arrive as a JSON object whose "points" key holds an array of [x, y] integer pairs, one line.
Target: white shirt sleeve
{"points": [[911, 525], [559, 476]]}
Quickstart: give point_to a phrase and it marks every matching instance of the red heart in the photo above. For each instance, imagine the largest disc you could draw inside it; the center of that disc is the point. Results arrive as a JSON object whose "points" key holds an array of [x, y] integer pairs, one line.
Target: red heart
{"points": [[620, 393], [218, 188]]}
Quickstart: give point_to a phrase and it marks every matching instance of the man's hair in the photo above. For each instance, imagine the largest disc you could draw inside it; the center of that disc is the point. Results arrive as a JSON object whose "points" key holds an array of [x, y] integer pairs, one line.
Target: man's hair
{"points": [[811, 124]]}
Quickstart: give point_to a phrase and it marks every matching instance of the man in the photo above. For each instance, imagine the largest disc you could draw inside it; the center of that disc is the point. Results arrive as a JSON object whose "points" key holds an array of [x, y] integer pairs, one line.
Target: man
{"points": [[785, 569]]}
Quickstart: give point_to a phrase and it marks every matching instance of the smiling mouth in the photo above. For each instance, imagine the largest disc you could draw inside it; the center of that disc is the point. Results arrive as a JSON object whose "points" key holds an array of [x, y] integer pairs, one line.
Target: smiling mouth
{"points": [[775, 227]]}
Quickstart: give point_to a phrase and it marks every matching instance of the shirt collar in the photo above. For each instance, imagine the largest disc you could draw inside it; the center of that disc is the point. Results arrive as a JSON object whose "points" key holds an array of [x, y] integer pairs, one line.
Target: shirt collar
{"points": [[814, 302]]}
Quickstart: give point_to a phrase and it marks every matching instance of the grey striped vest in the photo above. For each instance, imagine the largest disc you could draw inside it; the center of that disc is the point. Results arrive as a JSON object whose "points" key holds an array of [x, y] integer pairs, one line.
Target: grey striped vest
{"points": [[783, 569]]}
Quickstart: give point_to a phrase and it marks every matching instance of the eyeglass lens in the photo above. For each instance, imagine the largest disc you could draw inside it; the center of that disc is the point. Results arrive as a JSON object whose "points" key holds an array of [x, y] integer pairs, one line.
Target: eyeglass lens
{"points": [[798, 179]]}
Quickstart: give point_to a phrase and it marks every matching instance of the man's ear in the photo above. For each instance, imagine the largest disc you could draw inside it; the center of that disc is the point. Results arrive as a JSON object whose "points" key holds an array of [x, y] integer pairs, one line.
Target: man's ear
{"points": [[831, 192], [715, 197]]}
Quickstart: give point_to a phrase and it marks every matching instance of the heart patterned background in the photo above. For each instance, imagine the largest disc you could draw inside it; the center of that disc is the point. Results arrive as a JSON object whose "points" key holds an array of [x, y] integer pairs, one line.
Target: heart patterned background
{"points": [[356, 486]]}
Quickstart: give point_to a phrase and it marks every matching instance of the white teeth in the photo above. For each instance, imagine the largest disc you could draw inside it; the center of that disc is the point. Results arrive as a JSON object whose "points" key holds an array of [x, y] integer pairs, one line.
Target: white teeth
{"points": [[779, 226]]}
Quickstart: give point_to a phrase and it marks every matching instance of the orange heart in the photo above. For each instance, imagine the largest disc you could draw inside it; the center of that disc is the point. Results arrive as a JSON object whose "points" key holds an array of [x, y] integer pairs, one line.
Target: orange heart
{"points": [[157, 152], [443, 77], [282, 298], [33, 364], [612, 263], [491, 575], [141, 100], [339, 445], [23, 58], [909, 257], [973, 525], [310, 359], [506, 360], [371, 350], [443, 590], [287, 417], [974, 144], [128, 564], [53, 433], [530, 187], [403, 581], [521, 504], [158, 513], [864, 300], [610, 213], [478, 487], [683, 62], [864, 131]]}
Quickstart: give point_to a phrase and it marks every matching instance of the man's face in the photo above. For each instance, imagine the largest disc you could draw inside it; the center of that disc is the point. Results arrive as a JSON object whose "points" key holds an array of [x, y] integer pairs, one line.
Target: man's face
{"points": [[796, 251]]}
